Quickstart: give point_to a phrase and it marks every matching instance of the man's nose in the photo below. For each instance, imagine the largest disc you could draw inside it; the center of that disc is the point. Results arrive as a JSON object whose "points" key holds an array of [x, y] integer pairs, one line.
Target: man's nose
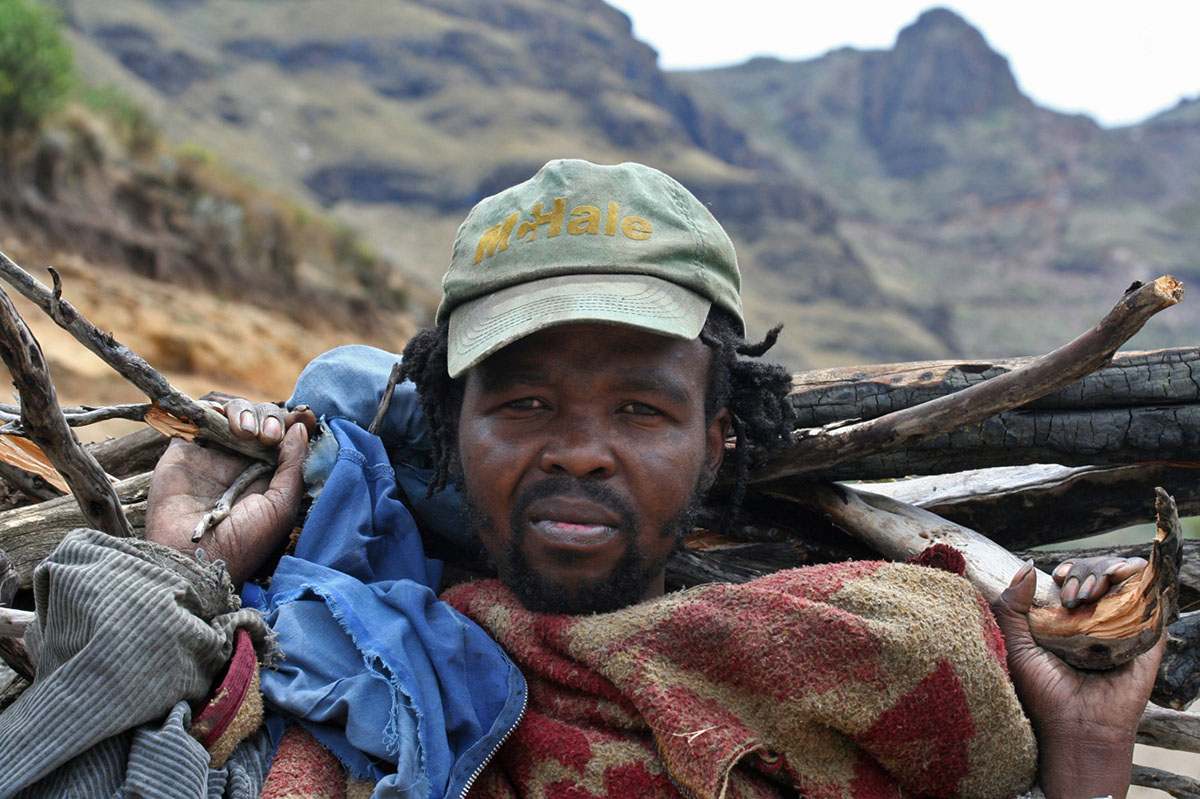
{"points": [[578, 446]]}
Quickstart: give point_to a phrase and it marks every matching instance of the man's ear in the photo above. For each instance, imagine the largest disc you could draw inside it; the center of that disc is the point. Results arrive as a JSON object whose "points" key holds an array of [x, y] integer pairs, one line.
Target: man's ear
{"points": [[714, 445]]}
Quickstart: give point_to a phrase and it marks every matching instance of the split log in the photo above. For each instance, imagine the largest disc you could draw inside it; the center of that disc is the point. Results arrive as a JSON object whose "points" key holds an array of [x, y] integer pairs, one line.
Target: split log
{"points": [[1189, 569], [1115, 629], [1153, 377], [31, 533], [824, 447], [1026, 506], [46, 427], [1167, 433]]}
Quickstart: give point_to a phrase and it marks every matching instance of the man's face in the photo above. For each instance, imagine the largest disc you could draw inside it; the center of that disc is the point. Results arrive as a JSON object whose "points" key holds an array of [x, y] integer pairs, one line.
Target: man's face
{"points": [[583, 448]]}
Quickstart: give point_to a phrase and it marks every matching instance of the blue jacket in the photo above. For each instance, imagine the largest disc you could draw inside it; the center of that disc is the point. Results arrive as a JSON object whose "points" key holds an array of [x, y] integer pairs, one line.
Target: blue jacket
{"points": [[400, 686]]}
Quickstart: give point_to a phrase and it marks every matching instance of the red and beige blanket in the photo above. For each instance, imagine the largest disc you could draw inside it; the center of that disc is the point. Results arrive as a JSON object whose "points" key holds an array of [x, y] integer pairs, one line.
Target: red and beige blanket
{"points": [[865, 679]]}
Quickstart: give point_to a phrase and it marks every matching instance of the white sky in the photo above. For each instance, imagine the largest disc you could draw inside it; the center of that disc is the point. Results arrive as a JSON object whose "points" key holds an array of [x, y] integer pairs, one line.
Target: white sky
{"points": [[1119, 62]]}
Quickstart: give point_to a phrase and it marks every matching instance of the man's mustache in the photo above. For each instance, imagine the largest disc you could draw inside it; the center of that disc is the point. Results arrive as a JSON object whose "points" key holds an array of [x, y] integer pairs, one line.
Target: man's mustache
{"points": [[594, 491]]}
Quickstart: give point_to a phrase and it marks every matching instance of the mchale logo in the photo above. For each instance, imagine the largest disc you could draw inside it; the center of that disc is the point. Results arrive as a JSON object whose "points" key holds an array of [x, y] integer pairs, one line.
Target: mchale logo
{"points": [[583, 220]]}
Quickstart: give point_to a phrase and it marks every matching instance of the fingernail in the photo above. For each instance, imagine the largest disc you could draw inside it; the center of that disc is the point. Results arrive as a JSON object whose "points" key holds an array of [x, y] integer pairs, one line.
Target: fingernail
{"points": [[300, 408], [1023, 572], [1070, 590], [1062, 569], [246, 420], [1113, 569], [272, 428], [1088, 586]]}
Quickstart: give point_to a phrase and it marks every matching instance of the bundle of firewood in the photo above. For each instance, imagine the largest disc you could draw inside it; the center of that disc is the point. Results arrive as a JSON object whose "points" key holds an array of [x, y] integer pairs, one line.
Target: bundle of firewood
{"points": [[1008, 455]]}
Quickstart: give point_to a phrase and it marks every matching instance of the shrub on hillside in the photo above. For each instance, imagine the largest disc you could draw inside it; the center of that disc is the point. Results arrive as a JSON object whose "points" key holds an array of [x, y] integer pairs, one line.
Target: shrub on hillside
{"points": [[35, 66]]}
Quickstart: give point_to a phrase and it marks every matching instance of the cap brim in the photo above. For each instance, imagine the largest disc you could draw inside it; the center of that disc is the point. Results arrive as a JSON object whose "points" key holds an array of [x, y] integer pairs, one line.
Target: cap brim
{"points": [[482, 326]]}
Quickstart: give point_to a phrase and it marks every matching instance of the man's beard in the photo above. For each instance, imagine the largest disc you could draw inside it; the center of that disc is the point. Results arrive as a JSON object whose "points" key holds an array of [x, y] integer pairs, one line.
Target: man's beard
{"points": [[626, 583]]}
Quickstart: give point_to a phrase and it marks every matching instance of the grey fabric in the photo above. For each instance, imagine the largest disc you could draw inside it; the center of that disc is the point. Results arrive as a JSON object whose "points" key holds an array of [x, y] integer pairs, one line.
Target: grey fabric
{"points": [[127, 633]]}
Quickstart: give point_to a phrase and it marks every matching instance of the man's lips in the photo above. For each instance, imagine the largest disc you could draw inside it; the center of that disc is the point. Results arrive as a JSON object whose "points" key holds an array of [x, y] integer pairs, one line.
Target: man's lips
{"points": [[574, 523]]}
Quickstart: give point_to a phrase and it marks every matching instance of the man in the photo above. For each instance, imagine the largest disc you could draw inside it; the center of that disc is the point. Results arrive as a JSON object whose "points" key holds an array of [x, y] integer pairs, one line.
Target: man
{"points": [[579, 387]]}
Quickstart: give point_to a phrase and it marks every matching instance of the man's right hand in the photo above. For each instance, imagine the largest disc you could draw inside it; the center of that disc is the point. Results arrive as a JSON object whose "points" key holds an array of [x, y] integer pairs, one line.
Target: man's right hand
{"points": [[189, 479]]}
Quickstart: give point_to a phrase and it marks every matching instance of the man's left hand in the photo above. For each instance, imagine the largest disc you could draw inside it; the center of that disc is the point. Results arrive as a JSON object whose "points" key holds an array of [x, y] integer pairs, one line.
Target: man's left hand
{"points": [[1085, 721]]}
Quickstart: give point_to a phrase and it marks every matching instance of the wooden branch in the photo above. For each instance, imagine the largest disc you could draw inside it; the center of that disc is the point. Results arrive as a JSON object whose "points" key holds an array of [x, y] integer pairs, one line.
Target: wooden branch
{"points": [[13, 623], [12, 650], [47, 428], [34, 486], [812, 449], [130, 454], [1105, 634], [1170, 729], [30, 533], [385, 402], [866, 392], [1174, 784], [1027, 506], [213, 426], [1178, 681], [76, 417], [225, 503]]}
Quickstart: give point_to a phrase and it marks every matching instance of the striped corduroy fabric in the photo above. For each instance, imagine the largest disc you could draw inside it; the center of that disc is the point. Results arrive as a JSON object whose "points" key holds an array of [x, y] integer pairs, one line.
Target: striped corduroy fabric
{"points": [[127, 634]]}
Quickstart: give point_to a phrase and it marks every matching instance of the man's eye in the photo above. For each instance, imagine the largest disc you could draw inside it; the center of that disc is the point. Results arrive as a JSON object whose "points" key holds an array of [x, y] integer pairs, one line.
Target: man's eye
{"points": [[640, 409], [525, 404]]}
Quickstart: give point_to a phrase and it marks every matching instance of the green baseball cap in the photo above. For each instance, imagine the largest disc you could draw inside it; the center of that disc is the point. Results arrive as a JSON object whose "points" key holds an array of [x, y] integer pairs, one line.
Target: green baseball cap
{"points": [[579, 242]]}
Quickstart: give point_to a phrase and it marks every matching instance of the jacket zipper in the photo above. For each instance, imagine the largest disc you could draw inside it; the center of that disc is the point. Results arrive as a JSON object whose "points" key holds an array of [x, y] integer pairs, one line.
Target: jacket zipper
{"points": [[479, 769]]}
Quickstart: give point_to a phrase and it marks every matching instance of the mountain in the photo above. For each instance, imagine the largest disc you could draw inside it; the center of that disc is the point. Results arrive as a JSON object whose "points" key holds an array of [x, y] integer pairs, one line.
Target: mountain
{"points": [[886, 205], [397, 117], [957, 190]]}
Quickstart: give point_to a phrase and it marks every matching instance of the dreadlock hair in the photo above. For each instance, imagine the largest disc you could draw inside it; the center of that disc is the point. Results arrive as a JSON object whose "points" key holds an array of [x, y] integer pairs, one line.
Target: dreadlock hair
{"points": [[754, 391]]}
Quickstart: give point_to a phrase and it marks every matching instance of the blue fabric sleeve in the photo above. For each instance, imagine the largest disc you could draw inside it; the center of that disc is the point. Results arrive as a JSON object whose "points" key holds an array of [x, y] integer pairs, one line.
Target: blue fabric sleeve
{"points": [[348, 383]]}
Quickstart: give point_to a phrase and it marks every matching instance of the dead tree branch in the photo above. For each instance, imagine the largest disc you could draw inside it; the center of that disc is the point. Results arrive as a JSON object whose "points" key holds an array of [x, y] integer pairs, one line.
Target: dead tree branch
{"points": [[13, 623], [12, 650], [823, 447], [31, 485], [1175, 784], [1170, 729], [212, 425], [47, 428], [385, 402], [76, 417], [1151, 377], [31, 533]]}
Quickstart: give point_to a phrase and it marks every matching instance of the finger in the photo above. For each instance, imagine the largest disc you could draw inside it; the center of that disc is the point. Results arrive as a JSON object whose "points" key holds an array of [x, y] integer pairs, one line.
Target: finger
{"points": [[242, 420], [1061, 571], [302, 414], [1019, 594], [269, 419], [1123, 570], [1011, 607], [287, 486], [1093, 587]]}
